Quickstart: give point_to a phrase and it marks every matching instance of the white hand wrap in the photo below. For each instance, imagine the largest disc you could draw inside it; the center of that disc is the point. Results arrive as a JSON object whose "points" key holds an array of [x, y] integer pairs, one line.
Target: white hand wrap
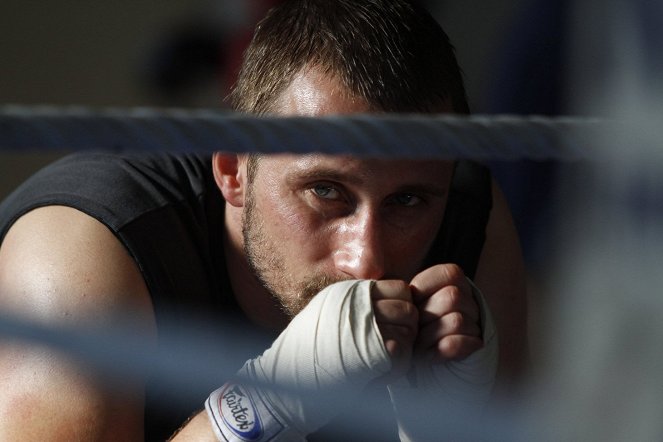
{"points": [[439, 392], [327, 354]]}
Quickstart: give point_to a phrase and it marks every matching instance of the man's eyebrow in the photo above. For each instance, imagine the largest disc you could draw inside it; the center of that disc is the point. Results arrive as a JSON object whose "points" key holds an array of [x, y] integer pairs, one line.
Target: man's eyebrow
{"points": [[323, 173]]}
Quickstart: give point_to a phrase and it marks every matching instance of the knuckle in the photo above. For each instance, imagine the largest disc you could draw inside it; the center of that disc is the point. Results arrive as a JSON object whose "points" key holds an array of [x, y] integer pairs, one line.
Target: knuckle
{"points": [[456, 321], [410, 312], [449, 347], [403, 335], [457, 347], [454, 273], [453, 295], [401, 287], [393, 288]]}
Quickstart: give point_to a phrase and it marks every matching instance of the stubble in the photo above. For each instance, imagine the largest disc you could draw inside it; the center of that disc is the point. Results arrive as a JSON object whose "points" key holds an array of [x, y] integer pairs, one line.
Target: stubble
{"points": [[268, 263]]}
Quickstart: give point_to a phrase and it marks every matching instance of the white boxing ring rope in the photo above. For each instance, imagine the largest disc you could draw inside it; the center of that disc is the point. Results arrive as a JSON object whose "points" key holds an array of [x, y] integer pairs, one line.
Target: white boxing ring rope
{"points": [[481, 137], [43, 129]]}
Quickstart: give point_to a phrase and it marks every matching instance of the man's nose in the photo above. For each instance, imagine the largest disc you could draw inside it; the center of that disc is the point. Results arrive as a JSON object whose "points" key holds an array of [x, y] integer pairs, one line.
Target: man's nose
{"points": [[359, 252]]}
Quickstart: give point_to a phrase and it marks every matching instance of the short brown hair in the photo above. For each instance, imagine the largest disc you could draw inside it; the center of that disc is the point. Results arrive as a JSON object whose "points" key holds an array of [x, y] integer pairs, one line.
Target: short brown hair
{"points": [[391, 53]]}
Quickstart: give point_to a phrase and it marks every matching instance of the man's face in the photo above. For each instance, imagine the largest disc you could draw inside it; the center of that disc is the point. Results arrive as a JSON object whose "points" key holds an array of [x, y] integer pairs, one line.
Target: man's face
{"points": [[310, 220]]}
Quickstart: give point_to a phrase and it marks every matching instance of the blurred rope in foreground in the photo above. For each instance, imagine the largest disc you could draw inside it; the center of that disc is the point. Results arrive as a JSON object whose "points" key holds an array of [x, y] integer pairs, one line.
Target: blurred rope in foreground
{"points": [[198, 360]]}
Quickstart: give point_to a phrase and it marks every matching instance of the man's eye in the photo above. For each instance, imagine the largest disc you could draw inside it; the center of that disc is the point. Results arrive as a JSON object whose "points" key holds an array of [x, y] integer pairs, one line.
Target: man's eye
{"points": [[326, 191], [407, 199]]}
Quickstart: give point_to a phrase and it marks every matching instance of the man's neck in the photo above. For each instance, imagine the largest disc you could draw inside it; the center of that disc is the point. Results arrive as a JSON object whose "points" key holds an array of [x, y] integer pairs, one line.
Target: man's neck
{"points": [[257, 303]]}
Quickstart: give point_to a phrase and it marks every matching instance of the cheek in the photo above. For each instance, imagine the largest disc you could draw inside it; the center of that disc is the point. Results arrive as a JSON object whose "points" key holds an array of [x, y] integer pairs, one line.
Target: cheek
{"points": [[295, 230], [277, 207]]}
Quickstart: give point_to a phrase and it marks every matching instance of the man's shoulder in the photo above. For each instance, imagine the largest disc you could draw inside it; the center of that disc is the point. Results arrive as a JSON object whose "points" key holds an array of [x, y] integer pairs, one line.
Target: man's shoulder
{"points": [[67, 263], [113, 188]]}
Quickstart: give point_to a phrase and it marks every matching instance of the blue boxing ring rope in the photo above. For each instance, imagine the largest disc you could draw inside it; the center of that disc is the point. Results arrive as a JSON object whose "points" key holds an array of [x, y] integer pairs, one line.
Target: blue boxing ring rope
{"points": [[481, 137]]}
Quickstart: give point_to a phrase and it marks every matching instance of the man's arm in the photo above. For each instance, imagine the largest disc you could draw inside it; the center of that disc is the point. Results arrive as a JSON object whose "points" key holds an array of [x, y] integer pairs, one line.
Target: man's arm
{"points": [[374, 343], [59, 266], [501, 278], [198, 429]]}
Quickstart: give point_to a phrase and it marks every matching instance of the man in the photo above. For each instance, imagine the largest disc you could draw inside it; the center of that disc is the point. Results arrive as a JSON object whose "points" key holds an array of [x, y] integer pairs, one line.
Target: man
{"points": [[267, 239]]}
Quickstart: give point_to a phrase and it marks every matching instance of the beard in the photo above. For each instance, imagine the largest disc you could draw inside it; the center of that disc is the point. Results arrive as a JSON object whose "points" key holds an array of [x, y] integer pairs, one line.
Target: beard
{"points": [[268, 263]]}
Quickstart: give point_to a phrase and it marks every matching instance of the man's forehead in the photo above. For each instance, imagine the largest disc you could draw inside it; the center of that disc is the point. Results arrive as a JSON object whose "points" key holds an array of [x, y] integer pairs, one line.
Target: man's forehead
{"points": [[313, 160], [314, 92]]}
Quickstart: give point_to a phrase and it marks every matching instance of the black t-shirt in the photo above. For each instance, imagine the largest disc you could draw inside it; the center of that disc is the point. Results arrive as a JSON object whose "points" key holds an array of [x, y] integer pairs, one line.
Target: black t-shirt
{"points": [[168, 213], [165, 209]]}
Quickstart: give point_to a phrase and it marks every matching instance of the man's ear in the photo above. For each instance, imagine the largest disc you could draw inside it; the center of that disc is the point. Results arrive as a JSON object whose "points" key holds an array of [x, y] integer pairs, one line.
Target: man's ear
{"points": [[230, 176]]}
